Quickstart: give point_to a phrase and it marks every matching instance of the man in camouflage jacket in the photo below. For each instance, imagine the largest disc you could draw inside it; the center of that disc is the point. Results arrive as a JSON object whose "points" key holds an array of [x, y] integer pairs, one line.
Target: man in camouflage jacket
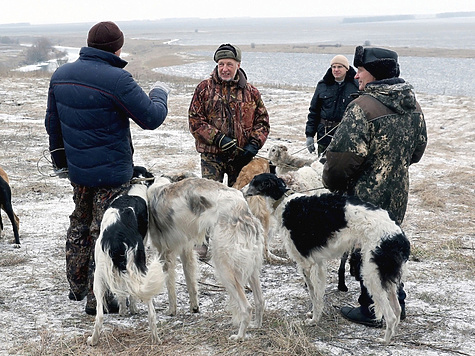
{"points": [[227, 118], [381, 134]]}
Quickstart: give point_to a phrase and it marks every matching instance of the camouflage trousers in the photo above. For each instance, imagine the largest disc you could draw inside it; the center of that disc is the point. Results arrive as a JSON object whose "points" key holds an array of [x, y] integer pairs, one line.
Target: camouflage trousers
{"points": [[84, 228], [215, 166]]}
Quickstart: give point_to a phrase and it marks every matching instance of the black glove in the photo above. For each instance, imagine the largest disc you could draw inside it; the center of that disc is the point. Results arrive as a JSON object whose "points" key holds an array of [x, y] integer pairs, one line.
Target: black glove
{"points": [[226, 143], [250, 150]]}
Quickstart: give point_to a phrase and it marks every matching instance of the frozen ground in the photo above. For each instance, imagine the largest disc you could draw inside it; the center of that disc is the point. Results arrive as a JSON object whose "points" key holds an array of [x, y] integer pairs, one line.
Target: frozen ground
{"points": [[35, 311]]}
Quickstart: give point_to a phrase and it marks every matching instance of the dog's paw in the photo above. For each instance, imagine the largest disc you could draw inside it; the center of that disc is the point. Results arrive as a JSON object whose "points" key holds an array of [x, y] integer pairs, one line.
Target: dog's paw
{"points": [[255, 324], [310, 322], [195, 309], [91, 342], [171, 312], [238, 337], [156, 340]]}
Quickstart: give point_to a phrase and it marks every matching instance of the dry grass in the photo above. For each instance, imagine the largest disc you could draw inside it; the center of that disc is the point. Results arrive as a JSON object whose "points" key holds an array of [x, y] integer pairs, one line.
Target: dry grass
{"points": [[440, 223], [279, 336]]}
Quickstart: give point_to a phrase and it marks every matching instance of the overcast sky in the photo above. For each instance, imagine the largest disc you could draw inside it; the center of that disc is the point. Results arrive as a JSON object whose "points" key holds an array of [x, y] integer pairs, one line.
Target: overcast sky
{"points": [[70, 11]]}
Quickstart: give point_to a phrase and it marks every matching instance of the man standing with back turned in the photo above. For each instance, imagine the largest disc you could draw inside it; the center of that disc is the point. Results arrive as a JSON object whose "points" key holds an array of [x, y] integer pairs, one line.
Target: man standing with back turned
{"points": [[90, 104], [381, 134]]}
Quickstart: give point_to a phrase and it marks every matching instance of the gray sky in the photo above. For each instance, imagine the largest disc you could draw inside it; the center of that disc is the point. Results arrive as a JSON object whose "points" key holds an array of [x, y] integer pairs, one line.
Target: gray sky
{"points": [[63, 11]]}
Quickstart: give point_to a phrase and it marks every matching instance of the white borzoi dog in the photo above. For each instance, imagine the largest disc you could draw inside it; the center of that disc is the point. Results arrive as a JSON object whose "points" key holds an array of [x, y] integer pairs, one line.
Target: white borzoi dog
{"points": [[121, 260], [181, 214], [318, 228]]}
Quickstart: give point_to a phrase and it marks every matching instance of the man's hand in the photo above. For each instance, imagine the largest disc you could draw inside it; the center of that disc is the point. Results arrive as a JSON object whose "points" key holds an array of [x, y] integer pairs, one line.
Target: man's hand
{"points": [[161, 86], [310, 144], [227, 143], [250, 150]]}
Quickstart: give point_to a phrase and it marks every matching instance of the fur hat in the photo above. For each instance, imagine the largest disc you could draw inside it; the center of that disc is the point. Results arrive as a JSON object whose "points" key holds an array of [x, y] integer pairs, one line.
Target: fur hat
{"points": [[340, 59], [380, 62], [227, 51], [106, 36]]}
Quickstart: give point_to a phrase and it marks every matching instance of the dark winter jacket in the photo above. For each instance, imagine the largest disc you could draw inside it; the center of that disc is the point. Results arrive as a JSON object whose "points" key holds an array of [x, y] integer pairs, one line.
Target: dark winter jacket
{"points": [[382, 133], [233, 108], [90, 102], [330, 100]]}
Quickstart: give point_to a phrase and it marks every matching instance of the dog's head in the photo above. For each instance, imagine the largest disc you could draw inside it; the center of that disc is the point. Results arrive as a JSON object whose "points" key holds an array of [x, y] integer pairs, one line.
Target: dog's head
{"points": [[141, 175], [276, 153], [266, 184]]}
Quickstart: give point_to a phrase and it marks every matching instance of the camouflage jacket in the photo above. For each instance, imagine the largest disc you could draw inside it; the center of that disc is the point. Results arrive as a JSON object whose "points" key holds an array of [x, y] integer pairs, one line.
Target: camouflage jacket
{"points": [[232, 108], [382, 133]]}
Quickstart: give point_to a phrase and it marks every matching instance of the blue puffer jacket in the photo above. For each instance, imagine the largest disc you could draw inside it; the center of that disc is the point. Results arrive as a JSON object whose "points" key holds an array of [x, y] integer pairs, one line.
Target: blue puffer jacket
{"points": [[90, 102]]}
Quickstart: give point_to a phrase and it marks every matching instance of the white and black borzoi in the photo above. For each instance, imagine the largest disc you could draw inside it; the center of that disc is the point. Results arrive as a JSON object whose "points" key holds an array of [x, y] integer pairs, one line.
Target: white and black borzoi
{"points": [[121, 260], [318, 228], [181, 214], [6, 205]]}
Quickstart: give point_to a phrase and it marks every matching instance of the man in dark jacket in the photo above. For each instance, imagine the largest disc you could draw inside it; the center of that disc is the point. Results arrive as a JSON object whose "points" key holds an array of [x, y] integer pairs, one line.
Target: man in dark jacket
{"points": [[381, 134], [332, 94], [90, 103]]}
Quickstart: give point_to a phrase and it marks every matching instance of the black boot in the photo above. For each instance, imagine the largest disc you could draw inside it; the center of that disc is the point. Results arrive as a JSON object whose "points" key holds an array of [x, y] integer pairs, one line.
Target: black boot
{"points": [[111, 305], [357, 315]]}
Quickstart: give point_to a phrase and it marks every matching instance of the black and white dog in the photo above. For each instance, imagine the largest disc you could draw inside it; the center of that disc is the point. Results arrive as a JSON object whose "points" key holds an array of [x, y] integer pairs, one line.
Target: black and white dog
{"points": [[120, 256], [181, 214], [6, 205], [318, 228]]}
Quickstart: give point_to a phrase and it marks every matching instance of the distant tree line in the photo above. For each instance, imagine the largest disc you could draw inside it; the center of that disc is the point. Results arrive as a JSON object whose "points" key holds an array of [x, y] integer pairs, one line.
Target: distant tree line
{"points": [[8, 40], [41, 51]]}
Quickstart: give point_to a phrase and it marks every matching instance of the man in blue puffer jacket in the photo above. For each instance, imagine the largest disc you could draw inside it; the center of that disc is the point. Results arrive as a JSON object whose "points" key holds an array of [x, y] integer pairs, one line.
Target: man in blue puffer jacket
{"points": [[90, 103]]}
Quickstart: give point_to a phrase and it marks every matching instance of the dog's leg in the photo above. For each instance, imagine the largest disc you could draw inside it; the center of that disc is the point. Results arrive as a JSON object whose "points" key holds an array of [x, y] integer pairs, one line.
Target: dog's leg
{"points": [[152, 322], [99, 291], [11, 215], [341, 273], [242, 309], [169, 267], [122, 305], [315, 278], [255, 284], [133, 305], [190, 266]]}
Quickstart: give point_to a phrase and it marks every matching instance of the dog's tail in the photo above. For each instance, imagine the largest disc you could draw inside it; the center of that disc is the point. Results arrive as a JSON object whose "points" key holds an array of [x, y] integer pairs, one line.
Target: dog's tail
{"points": [[144, 285], [153, 281]]}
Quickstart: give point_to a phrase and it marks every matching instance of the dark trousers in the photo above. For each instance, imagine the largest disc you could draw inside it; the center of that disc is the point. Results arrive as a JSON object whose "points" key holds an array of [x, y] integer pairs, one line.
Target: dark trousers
{"points": [[84, 228], [365, 299]]}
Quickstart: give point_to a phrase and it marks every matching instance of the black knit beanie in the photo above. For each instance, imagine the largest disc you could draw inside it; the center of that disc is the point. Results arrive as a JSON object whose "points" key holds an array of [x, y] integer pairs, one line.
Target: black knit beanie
{"points": [[227, 51], [380, 62], [106, 36]]}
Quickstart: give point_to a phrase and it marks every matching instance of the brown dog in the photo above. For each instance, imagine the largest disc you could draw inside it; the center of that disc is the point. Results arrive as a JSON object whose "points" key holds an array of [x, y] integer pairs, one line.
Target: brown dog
{"points": [[257, 204], [6, 205]]}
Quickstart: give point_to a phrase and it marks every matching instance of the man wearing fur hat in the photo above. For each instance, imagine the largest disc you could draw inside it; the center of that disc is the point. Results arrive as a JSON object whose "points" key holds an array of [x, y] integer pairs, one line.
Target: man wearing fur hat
{"points": [[332, 94], [227, 118], [90, 102], [381, 134]]}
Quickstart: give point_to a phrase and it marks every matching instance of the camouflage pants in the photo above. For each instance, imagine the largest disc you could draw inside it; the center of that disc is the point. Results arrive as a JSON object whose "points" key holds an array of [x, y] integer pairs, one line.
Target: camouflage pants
{"points": [[84, 227], [215, 166]]}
